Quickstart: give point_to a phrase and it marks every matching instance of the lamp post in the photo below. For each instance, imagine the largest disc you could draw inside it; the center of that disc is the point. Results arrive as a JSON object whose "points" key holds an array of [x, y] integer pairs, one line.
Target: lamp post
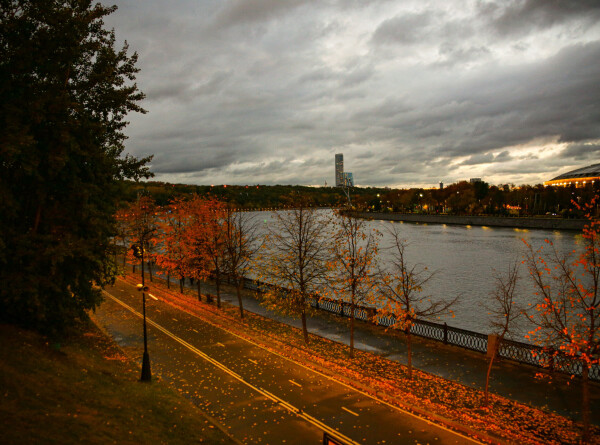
{"points": [[138, 251]]}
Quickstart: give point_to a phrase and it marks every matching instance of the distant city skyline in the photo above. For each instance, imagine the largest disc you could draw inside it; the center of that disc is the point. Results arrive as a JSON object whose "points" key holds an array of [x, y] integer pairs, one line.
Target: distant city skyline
{"points": [[267, 91]]}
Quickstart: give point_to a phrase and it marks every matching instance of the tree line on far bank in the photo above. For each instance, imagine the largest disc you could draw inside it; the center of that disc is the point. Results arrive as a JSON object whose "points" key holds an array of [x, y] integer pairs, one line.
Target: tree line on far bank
{"points": [[461, 198]]}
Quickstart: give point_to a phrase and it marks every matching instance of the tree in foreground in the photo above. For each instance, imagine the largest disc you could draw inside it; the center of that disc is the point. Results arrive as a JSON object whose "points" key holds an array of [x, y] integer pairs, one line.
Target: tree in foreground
{"points": [[503, 313], [352, 266], [65, 91], [295, 259], [566, 314], [400, 293]]}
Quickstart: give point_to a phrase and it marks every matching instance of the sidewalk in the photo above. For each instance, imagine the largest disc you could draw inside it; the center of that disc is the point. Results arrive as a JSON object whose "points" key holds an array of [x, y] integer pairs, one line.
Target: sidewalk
{"points": [[559, 394]]}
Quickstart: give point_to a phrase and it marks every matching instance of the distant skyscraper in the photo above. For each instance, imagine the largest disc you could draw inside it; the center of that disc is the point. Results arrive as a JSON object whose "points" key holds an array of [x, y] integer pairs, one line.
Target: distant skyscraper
{"points": [[339, 170]]}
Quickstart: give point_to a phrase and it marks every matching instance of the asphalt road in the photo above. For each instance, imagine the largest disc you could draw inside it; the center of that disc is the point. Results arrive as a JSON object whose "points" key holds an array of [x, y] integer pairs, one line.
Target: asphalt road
{"points": [[256, 395]]}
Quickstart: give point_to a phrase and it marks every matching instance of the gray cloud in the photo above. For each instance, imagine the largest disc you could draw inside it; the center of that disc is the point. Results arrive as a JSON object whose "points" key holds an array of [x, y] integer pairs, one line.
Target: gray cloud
{"points": [[265, 91], [525, 16], [407, 28], [582, 152], [251, 11]]}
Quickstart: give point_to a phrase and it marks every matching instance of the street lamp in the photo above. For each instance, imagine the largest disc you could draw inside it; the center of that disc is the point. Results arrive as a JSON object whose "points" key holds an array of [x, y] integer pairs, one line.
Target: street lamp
{"points": [[138, 252]]}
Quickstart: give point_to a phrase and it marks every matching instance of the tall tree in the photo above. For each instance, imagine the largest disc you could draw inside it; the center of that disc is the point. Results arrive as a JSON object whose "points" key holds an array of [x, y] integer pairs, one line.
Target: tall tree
{"points": [[503, 313], [216, 243], [566, 314], [199, 237], [170, 243], [352, 266], [240, 245], [400, 291], [65, 90], [142, 219], [296, 257]]}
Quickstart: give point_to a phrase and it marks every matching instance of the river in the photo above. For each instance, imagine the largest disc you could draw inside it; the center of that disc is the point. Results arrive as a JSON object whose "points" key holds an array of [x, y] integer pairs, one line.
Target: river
{"points": [[464, 259]]}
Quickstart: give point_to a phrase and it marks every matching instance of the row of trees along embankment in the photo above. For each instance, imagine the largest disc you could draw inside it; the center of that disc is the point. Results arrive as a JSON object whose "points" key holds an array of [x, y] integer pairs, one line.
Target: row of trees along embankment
{"points": [[304, 253], [462, 198]]}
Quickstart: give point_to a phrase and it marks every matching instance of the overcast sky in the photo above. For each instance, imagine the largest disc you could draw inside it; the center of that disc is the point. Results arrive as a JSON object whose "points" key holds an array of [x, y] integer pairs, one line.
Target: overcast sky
{"points": [[411, 92]]}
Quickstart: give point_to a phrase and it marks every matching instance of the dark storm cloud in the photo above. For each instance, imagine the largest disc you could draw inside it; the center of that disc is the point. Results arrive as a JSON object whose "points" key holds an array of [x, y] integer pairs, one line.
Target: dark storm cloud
{"points": [[560, 96], [268, 90], [406, 28], [251, 11], [582, 152], [510, 17]]}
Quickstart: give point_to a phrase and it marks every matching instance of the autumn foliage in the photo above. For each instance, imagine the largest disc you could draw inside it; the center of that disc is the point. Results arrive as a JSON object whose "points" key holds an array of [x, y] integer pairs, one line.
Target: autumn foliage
{"points": [[566, 314]]}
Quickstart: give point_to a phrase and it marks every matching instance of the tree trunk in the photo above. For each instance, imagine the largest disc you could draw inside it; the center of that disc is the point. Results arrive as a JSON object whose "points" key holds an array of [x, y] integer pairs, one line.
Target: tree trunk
{"points": [[199, 293], [304, 328], [239, 296], [487, 378], [218, 284], [168, 280], [181, 284], [352, 329], [150, 270], [134, 268], [585, 408], [409, 352]]}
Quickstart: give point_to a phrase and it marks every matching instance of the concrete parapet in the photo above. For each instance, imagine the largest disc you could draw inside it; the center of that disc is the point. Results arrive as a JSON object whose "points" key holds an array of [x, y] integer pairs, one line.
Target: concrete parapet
{"points": [[491, 221]]}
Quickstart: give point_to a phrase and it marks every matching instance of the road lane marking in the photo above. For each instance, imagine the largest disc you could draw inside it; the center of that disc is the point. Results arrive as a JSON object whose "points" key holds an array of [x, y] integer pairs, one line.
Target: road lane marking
{"points": [[220, 344], [253, 361], [333, 379], [195, 331], [267, 394], [152, 296], [294, 383], [174, 319], [351, 412]]}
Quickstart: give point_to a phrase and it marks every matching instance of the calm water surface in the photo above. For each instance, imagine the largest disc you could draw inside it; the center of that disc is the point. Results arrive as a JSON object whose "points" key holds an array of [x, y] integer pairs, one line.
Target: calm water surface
{"points": [[464, 259]]}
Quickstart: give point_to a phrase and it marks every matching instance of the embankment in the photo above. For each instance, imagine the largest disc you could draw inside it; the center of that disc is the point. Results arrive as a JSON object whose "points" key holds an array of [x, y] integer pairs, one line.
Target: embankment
{"points": [[491, 221]]}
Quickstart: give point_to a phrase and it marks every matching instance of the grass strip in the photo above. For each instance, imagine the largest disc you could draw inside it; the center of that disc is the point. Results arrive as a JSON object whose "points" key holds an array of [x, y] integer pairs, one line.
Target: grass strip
{"points": [[84, 390]]}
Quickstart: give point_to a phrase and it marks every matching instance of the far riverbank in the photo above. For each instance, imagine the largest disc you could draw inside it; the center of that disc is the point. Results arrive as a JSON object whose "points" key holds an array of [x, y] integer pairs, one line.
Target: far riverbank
{"points": [[490, 221]]}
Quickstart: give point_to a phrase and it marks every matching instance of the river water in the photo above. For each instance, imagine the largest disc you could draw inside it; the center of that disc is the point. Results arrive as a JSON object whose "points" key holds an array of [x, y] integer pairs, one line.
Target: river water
{"points": [[464, 259]]}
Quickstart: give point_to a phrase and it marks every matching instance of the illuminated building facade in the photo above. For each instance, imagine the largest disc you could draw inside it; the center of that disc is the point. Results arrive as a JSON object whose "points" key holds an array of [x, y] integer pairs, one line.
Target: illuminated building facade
{"points": [[580, 177]]}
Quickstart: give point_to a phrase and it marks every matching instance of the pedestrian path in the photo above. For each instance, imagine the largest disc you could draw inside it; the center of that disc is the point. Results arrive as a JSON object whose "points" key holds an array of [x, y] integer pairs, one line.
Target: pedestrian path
{"points": [[559, 394]]}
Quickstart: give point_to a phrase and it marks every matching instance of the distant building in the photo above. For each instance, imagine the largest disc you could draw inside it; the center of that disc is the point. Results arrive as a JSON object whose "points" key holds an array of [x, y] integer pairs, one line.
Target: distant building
{"points": [[579, 178], [348, 180], [441, 185], [339, 170], [474, 180]]}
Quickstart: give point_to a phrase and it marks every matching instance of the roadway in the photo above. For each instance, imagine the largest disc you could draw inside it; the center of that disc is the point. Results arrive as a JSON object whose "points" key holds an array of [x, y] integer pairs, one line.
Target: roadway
{"points": [[256, 395]]}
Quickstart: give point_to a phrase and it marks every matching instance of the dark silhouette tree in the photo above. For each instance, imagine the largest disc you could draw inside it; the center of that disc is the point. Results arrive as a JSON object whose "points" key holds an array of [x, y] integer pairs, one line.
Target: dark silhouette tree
{"points": [[65, 91]]}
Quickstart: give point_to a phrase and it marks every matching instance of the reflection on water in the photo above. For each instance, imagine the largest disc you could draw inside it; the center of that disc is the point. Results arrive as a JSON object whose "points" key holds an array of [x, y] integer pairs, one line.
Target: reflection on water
{"points": [[464, 258]]}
